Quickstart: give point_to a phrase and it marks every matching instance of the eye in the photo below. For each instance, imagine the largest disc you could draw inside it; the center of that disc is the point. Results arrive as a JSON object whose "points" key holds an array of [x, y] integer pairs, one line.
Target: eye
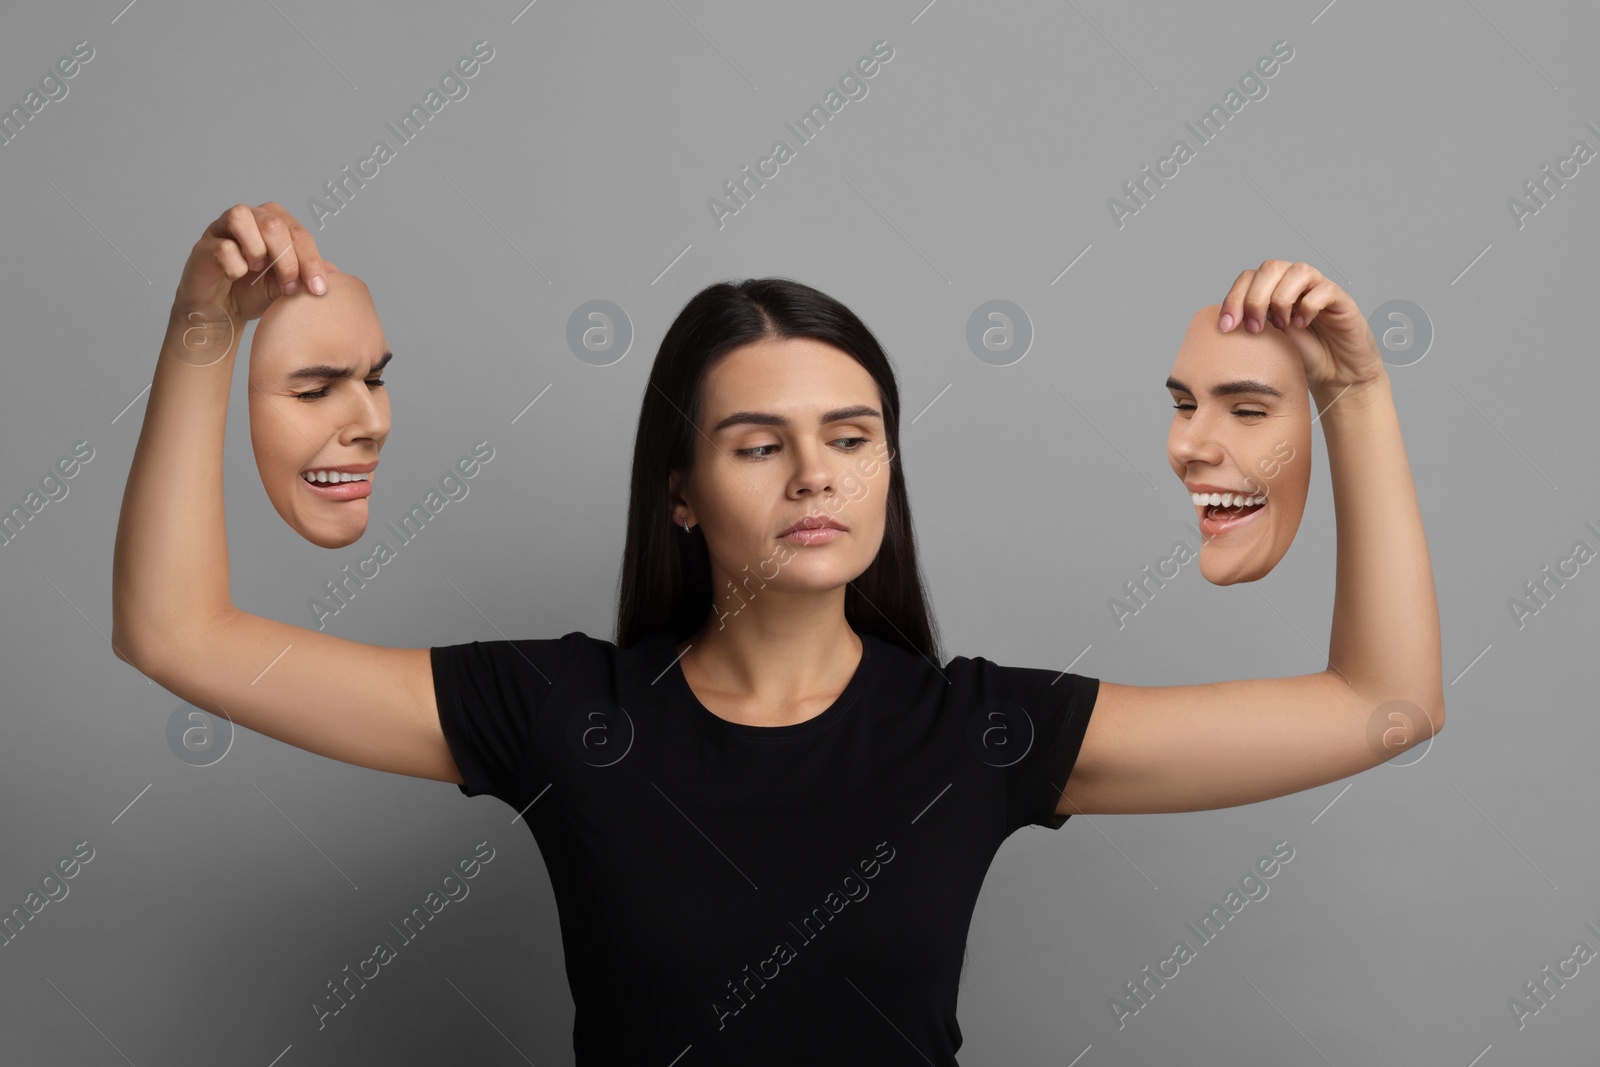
{"points": [[319, 393], [751, 453], [1242, 413]]}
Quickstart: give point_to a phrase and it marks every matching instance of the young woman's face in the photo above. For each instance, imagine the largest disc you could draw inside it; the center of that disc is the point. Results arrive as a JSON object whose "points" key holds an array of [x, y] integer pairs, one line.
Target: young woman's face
{"points": [[791, 429], [1242, 426], [317, 404]]}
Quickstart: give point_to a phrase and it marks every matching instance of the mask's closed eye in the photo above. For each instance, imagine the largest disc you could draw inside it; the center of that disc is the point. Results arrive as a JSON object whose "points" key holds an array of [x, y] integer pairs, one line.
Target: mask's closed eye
{"points": [[316, 394], [1242, 413]]}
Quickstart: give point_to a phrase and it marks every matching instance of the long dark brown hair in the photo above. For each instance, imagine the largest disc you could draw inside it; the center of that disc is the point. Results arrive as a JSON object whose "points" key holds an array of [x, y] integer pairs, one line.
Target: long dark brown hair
{"points": [[666, 573]]}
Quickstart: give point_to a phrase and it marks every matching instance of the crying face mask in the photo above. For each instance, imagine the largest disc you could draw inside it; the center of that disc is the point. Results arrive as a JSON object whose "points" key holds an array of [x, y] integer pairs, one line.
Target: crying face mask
{"points": [[318, 406]]}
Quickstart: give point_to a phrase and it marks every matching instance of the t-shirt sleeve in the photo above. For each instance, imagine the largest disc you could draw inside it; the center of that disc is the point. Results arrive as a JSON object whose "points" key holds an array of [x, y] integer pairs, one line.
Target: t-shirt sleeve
{"points": [[1029, 724], [489, 694]]}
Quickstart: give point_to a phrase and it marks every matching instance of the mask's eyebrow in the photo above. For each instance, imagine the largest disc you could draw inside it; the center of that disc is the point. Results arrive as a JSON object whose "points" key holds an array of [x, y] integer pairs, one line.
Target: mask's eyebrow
{"points": [[324, 371], [1221, 389], [762, 418]]}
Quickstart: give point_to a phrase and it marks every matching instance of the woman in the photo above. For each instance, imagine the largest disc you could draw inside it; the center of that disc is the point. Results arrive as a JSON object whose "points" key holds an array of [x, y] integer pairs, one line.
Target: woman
{"points": [[767, 809]]}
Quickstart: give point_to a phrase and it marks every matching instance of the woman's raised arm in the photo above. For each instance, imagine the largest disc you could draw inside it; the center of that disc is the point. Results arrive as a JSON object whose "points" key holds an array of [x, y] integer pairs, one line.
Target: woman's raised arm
{"points": [[1196, 747], [172, 613]]}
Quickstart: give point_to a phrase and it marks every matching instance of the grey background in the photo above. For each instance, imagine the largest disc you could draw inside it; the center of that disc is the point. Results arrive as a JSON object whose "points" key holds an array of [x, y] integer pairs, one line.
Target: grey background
{"points": [[222, 899]]}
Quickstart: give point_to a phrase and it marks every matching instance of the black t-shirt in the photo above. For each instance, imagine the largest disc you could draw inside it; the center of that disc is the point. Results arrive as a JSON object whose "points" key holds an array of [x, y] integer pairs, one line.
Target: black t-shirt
{"points": [[736, 894]]}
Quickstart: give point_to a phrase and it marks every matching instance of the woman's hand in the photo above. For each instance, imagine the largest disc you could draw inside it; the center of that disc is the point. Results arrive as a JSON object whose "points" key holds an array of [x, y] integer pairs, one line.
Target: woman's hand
{"points": [[248, 258], [1331, 334]]}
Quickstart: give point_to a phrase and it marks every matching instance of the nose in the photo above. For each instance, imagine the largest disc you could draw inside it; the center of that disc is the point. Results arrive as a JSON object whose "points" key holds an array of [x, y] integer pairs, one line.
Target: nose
{"points": [[812, 472], [1193, 440], [366, 417]]}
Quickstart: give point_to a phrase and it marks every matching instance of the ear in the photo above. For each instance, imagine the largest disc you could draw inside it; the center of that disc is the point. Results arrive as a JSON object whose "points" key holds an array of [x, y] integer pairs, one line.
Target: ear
{"points": [[674, 479]]}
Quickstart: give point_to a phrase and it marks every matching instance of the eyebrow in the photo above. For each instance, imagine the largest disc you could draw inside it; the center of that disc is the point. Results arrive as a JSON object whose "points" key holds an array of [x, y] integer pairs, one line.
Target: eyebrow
{"points": [[323, 370], [762, 418], [1221, 389]]}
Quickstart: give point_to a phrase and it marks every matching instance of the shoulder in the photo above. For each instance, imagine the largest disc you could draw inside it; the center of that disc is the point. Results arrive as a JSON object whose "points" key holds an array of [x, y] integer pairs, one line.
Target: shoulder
{"points": [[539, 657], [983, 672], [570, 642], [1036, 699]]}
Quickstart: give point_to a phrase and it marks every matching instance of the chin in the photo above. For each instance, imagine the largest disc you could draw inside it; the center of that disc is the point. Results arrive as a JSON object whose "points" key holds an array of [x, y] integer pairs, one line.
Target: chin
{"points": [[323, 535], [335, 541], [1234, 573]]}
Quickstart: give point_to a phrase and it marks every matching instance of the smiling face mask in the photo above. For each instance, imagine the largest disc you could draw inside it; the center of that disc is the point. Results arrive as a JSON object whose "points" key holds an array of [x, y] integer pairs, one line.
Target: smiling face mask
{"points": [[1240, 441], [319, 413]]}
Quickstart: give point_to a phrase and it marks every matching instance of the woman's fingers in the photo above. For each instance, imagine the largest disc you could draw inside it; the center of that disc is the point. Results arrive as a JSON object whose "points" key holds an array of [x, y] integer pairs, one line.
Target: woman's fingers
{"points": [[1292, 286], [217, 260], [237, 225], [1333, 338], [249, 257], [282, 262], [231, 259], [309, 268], [1234, 308], [1267, 294], [1259, 292], [1315, 299], [313, 270]]}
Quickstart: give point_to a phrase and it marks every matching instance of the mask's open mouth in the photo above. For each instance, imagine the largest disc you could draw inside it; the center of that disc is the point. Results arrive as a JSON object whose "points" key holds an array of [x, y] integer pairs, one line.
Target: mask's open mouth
{"points": [[1222, 514]]}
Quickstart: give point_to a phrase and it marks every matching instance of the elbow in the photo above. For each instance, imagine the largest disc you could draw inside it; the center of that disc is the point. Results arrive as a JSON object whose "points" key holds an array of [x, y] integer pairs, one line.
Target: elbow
{"points": [[1433, 708], [135, 653], [140, 659], [1434, 704], [142, 641], [1395, 721], [119, 643], [124, 626], [157, 648]]}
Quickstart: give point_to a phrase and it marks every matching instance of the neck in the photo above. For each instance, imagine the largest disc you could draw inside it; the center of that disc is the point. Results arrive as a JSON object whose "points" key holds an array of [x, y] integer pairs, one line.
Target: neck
{"points": [[778, 648]]}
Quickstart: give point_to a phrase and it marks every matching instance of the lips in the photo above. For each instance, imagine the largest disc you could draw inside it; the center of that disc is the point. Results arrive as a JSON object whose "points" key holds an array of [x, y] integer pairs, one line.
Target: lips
{"points": [[339, 490], [813, 522]]}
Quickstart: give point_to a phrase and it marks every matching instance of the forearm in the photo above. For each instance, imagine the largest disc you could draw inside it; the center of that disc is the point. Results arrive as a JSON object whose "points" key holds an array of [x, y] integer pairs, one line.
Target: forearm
{"points": [[1385, 638], [170, 572]]}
